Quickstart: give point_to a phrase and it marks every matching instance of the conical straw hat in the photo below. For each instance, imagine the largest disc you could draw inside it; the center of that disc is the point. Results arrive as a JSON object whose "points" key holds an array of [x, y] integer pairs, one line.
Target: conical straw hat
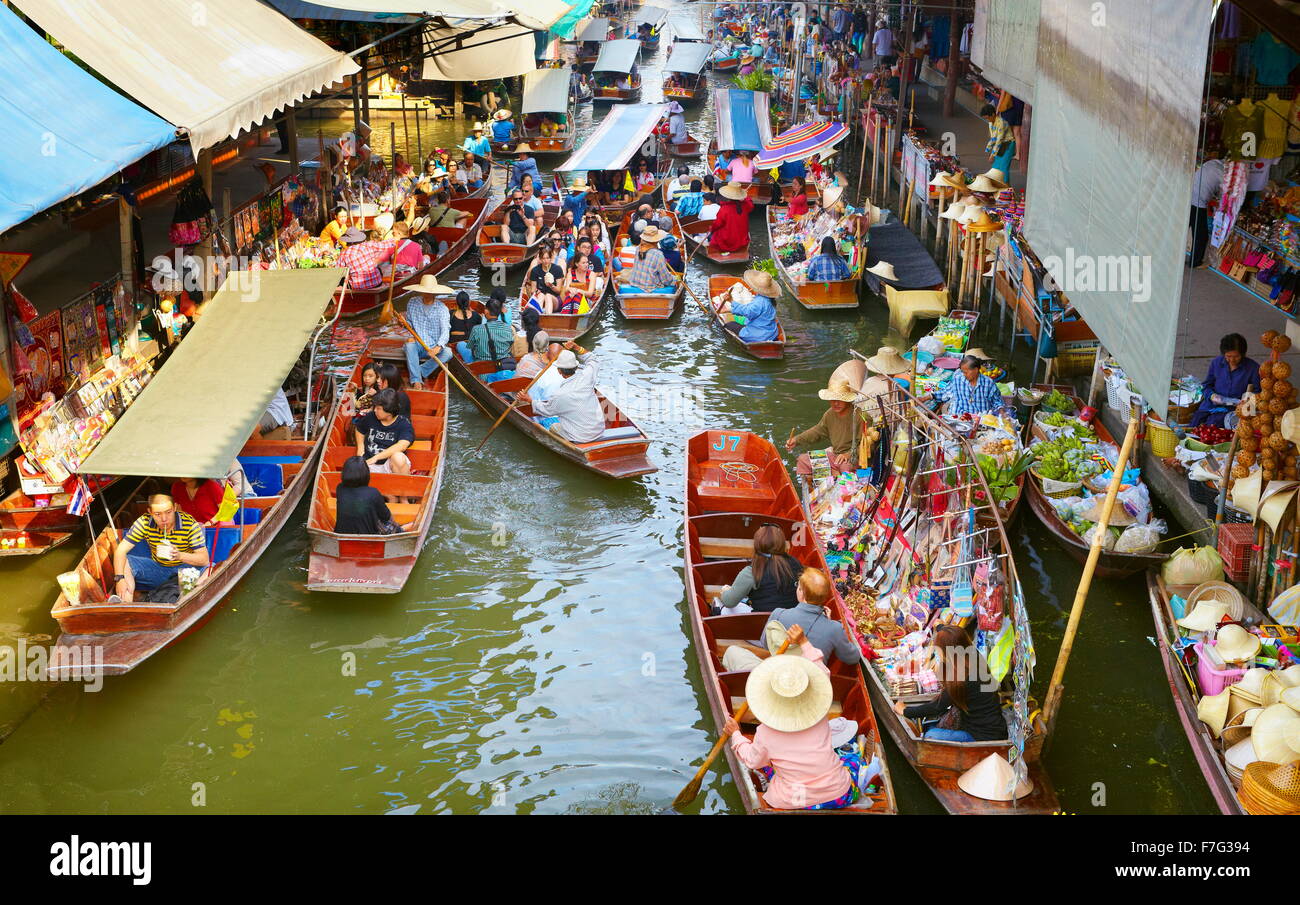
{"points": [[1276, 502], [1290, 677], [1240, 755], [1239, 726], [1291, 697], [853, 372], [940, 180], [1271, 733], [887, 361], [789, 693], [1212, 710], [1252, 683], [1245, 493], [1204, 616], [993, 779], [1221, 592], [884, 270]]}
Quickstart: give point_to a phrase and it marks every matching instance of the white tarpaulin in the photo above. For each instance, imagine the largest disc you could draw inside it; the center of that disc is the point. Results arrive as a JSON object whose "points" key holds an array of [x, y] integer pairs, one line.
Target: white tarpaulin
{"points": [[474, 52], [592, 30], [538, 15], [685, 29], [617, 56], [547, 91], [1004, 44], [211, 69], [688, 57]]}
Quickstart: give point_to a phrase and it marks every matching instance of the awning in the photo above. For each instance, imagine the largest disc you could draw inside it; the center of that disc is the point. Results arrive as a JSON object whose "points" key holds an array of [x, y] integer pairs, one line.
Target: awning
{"points": [[301, 9], [494, 52], [800, 142], [649, 15], [897, 244], [743, 123], [211, 69], [564, 27], [538, 15], [593, 30], [547, 91], [64, 130], [688, 57], [199, 409], [617, 56], [619, 135], [684, 29]]}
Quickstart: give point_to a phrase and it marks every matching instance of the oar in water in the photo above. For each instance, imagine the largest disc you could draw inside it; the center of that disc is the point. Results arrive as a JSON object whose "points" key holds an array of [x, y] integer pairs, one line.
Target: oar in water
{"points": [[692, 790], [401, 319]]}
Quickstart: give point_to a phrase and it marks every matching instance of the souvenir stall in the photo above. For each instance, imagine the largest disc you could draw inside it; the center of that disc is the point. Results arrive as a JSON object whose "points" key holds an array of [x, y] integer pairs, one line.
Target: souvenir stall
{"points": [[795, 241], [1261, 250]]}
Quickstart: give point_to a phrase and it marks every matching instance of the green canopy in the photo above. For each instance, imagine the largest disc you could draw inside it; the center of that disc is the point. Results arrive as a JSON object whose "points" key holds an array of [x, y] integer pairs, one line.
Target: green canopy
{"points": [[199, 409]]}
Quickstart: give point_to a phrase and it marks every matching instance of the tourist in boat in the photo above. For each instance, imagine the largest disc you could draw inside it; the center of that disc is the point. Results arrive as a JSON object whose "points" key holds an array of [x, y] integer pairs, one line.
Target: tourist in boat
{"points": [[540, 299], [757, 314], [688, 203], [277, 421], [768, 583], [837, 427], [582, 287], [672, 254], [828, 264], [503, 127], [575, 199], [798, 198], [810, 613], [492, 339], [362, 258], [730, 232], [533, 203], [1231, 376], [572, 409], [431, 321], [383, 436], [970, 392], [525, 165], [565, 230], [645, 177], [335, 229], [585, 245], [677, 133], [200, 498], [968, 699], [174, 540], [456, 179], [364, 395], [461, 321], [546, 273], [792, 745], [361, 509], [472, 170], [742, 168], [410, 255], [433, 179], [650, 272], [530, 321], [678, 187], [520, 228], [477, 143], [390, 378], [540, 361], [710, 207]]}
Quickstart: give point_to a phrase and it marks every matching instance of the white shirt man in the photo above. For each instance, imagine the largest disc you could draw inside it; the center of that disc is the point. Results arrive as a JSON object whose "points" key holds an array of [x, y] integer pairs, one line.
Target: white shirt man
{"points": [[574, 401]]}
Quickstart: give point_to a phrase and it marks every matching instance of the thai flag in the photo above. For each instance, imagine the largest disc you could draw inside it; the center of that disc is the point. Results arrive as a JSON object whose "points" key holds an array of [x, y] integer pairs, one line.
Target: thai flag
{"points": [[81, 498], [557, 185]]}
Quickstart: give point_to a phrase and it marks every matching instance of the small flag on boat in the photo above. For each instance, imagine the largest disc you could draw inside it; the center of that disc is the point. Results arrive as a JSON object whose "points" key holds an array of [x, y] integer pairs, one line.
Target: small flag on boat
{"points": [[559, 186], [628, 184], [81, 498]]}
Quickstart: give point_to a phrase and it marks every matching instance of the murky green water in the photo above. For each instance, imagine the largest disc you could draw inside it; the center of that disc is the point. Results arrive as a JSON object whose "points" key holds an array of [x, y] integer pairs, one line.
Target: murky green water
{"points": [[550, 673]]}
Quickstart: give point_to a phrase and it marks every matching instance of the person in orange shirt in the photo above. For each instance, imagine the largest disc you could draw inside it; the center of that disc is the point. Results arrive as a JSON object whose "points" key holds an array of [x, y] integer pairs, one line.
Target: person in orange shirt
{"points": [[335, 229]]}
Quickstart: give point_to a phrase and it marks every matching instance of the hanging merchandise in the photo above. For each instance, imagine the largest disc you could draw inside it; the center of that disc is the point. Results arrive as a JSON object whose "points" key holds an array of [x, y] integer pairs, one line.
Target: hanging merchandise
{"points": [[1234, 192]]}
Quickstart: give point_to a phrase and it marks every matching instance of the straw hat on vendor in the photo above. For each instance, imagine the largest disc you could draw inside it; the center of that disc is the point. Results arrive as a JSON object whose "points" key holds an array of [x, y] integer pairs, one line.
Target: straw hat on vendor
{"points": [[502, 114], [832, 196], [760, 282], [429, 285], [789, 693], [734, 191]]}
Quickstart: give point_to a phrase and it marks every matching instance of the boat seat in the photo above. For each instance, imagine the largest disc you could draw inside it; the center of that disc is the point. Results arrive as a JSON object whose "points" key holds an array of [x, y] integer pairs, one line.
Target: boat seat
{"points": [[221, 540], [269, 460], [267, 479], [620, 433], [727, 547], [401, 512]]}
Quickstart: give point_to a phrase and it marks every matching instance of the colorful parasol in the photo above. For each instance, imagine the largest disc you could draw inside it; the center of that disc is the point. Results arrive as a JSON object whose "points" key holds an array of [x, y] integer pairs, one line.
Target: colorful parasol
{"points": [[801, 141]]}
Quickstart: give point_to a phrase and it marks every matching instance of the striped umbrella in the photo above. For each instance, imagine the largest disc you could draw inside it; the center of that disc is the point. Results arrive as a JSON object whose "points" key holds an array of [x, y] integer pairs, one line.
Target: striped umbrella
{"points": [[801, 141]]}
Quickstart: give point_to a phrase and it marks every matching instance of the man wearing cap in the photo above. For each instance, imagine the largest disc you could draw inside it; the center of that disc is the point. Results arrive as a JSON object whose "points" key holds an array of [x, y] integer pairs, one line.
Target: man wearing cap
{"points": [[574, 402], [477, 144], [362, 258], [430, 318], [839, 427], [525, 165], [503, 129], [970, 392], [335, 229], [759, 315]]}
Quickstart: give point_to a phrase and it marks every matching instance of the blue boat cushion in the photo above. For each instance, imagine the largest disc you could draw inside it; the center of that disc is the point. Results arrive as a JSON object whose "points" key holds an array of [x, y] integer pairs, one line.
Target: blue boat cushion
{"points": [[269, 460], [265, 478], [221, 540], [248, 515]]}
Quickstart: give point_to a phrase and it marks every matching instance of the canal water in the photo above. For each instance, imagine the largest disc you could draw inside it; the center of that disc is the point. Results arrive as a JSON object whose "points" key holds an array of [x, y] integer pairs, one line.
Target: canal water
{"points": [[539, 659]]}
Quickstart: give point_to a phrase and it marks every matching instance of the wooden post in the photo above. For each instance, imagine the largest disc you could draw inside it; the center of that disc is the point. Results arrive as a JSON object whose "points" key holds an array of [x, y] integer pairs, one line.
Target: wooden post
{"points": [[1056, 688], [126, 234], [225, 216], [954, 61], [356, 103], [406, 135], [458, 98], [291, 131], [419, 142]]}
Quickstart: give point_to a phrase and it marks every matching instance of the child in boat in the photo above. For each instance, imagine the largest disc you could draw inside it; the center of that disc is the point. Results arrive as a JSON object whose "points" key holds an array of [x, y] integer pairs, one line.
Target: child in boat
{"points": [[364, 396]]}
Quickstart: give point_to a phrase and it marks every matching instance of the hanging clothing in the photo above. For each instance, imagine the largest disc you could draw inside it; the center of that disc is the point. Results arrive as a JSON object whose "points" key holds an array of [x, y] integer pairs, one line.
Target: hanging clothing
{"points": [[1273, 60], [1277, 111], [1243, 127]]}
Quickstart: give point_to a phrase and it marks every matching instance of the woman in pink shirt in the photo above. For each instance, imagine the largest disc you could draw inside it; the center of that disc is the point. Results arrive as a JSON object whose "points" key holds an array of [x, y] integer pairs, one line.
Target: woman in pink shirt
{"points": [[742, 169], [409, 253]]}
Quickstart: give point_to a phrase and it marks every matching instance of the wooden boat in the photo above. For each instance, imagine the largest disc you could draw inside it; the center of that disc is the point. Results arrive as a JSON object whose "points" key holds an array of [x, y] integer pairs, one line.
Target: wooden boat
{"points": [[697, 233], [620, 453], [1111, 564], [823, 296], [357, 302], [564, 327], [735, 482], [762, 190], [546, 92], [1186, 694], [649, 305], [590, 35], [730, 64], [27, 529], [610, 93], [684, 80], [765, 351], [493, 251], [377, 564], [683, 150], [688, 96]]}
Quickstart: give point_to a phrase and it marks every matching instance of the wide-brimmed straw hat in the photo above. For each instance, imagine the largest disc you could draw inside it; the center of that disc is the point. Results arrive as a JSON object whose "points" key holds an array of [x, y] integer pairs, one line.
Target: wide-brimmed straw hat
{"points": [[1275, 732], [477, 127], [982, 222], [994, 779], [1212, 710], [940, 180], [1222, 592], [578, 185], [887, 361], [789, 693], [1239, 726], [651, 235], [429, 285], [985, 184], [1205, 616], [1234, 644], [523, 148], [956, 181], [954, 211], [884, 270], [1275, 502], [352, 236], [838, 391], [761, 282], [384, 221], [979, 353], [734, 191], [502, 114], [420, 224]]}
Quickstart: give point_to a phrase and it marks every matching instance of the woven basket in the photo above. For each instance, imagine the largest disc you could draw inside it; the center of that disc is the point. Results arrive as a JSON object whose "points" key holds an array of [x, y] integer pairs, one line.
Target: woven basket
{"points": [[1202, 493], [1057, 490], [1162, 438]]}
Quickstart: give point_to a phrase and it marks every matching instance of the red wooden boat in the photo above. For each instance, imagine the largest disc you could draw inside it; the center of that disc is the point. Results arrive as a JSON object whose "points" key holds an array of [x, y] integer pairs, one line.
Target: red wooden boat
{"points": [[27, 529], [378, 564], [564, 327], [772, 350], [357, 302], [494, 250], [697, 232], [735, 482], [825, 295], [649, 305]]}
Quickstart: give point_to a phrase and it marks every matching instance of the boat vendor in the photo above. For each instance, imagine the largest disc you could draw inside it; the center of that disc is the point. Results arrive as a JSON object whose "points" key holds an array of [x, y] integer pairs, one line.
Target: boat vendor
{"points": [[525, 165], [965, 700], [730, 232], [477, 144], [572, 409], [677, 133], [839, 427], [768, 583], [383, 436], [828, 264], [757, 314], [1001, 146], [335, 229], [1231, 376], [970, 392], [650, 272], [362, 258], [798, 205], [175, 541], [790, 695], [431, 320], [503, 127]]}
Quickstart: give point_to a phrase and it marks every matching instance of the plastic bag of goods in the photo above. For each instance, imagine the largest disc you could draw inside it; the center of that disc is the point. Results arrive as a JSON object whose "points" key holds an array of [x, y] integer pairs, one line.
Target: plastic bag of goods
{"points": [[1066, 509], [1107, 539], [1138, 539], [932, 344], [1137, 500], [1193, 566]]}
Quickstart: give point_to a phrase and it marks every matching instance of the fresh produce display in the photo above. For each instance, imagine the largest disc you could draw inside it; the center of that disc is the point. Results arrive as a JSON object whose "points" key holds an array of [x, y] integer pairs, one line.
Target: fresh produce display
{"points": [[1058, 402], [1211, 435], [1081, 430], [1064, 459], [1002, 478]]}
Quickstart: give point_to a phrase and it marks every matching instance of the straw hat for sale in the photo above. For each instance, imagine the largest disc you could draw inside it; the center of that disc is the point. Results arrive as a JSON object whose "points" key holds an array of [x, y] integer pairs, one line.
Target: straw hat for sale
{"points": [[1290, 696], [1274, 733], [1275, 502], [523, 148], [1245, 493], [502, 114], [429, 285], [969, 214], [993, 779], [887, 361], [1251, 684], [1270, 691], [832, 195], [734, 191], [996, 175], [1289, 677], [884, 270], [955, 181], [1212, 710], [986, 184], [651, 235], [1238, 757], [983, 223], [1239, 726], [761, 283], [1119, 516], [873, 214], [1270, 788], [940, 180], [1205, 616], [1235, 644], [954, 211], [1222, 592], [789, 693]]}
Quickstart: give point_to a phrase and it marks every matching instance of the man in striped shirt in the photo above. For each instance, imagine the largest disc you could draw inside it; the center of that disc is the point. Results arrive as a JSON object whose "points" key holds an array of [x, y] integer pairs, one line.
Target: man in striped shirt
{"points": [[175, 540]]}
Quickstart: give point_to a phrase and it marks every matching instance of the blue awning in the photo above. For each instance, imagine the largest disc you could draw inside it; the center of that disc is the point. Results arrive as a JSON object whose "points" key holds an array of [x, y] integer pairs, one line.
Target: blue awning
{"points": [[64, 130], [301, 9], [743, 122]]}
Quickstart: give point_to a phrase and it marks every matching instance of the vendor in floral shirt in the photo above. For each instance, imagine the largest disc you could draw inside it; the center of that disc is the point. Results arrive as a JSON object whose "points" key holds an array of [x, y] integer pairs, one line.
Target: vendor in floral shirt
{"points": [[363, 256]]}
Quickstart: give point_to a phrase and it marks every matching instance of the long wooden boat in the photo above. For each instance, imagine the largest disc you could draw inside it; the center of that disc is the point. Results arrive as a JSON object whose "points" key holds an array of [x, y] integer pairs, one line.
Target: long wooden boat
{"points": [[612, 94], [683, 150], [724, 507], [691, 95], [377, 564], [822, 296], [649, 305], [564, 327], [619, 453], [28, 529], [494, 251], [1207, 749], [1111, 564], [697, 233], [730, 64], [772, 350], [760, 191], [357, 302]]}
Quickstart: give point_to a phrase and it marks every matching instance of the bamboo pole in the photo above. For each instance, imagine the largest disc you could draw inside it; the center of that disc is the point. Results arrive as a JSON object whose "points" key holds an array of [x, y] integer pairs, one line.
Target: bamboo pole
{"points": [[1056, 688]]}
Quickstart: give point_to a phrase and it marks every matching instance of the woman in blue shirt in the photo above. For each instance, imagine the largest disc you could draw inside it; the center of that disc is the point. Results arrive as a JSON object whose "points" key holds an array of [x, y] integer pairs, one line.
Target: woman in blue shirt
{"points": [[1231, 375], [759, 314]]}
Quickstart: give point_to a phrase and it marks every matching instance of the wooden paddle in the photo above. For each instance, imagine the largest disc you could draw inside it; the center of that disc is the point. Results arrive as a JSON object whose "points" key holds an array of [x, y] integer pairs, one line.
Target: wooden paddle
{"points": [[497, 423], [401, 319], [386, 313], [692, 790]]}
